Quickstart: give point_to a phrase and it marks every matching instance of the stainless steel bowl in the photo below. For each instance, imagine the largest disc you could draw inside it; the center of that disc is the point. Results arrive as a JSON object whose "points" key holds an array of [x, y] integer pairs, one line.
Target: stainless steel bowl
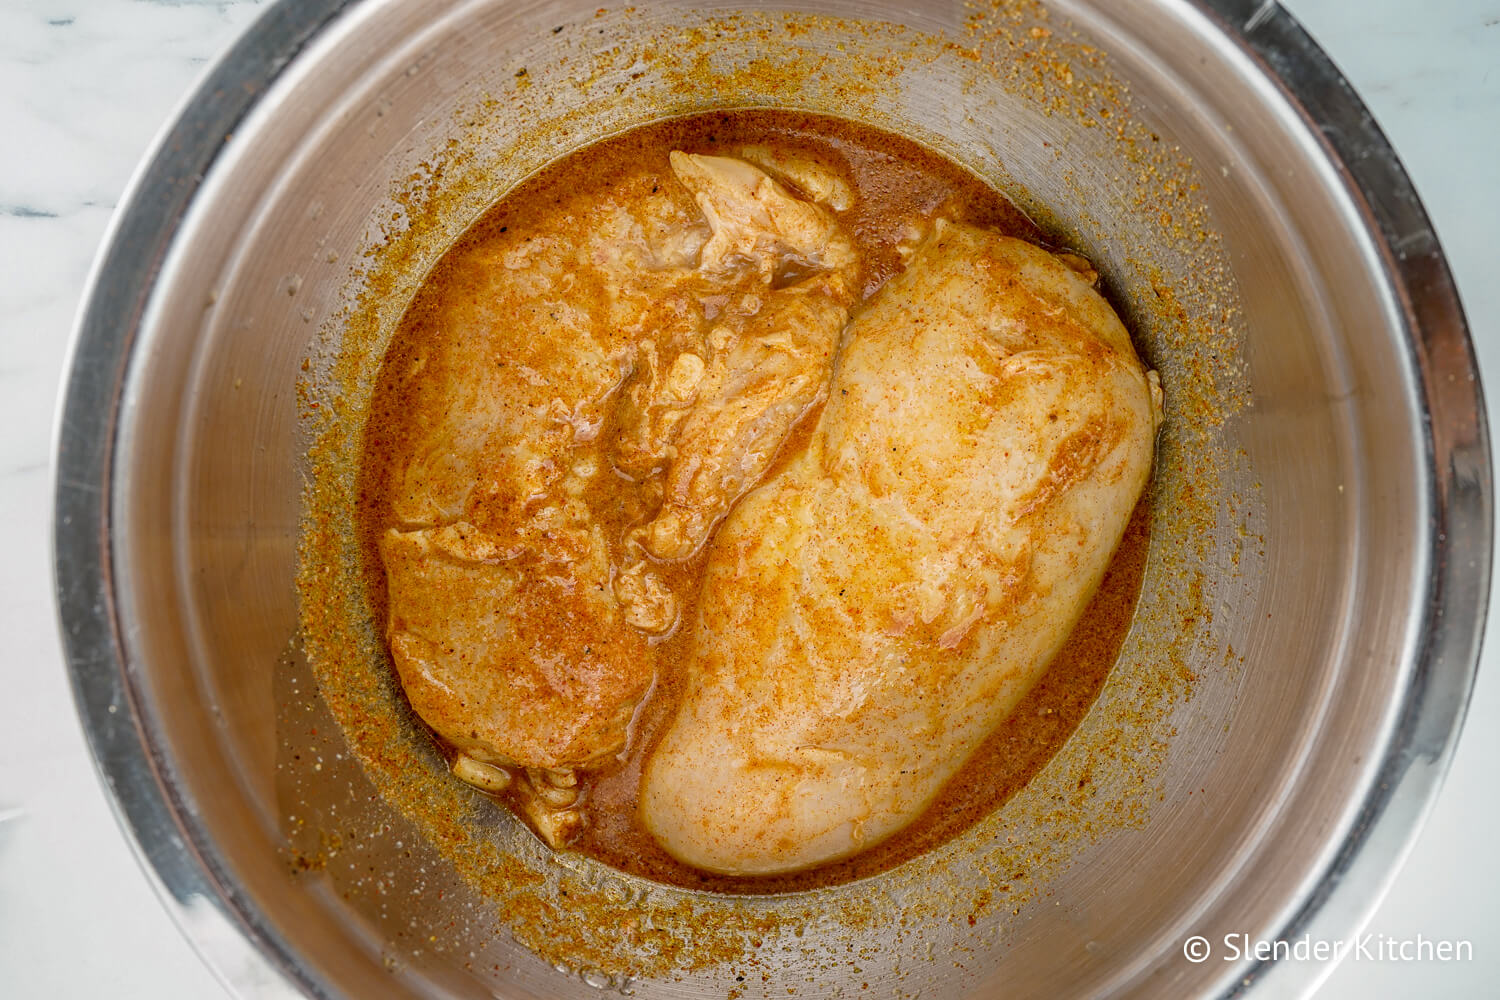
{"points": [[1339, 582]]}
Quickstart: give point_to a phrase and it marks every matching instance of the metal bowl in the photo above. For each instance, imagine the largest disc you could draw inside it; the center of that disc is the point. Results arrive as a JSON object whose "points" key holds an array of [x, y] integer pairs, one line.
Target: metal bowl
{"points": [[1336, 568]]}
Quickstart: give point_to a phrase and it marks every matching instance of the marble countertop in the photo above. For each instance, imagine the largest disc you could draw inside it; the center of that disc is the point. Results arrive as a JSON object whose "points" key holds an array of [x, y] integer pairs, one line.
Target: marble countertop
{"points": [[85, 84]]}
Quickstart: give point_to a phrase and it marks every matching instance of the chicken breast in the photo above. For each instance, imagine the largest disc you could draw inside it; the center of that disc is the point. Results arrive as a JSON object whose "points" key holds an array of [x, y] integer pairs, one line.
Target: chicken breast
{"points": [[699, 324], [877, 609], [768, 361], [502, 622]]}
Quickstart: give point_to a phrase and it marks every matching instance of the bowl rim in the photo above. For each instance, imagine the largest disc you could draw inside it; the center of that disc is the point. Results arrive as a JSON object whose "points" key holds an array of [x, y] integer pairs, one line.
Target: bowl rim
{"points": [[198, 888]]}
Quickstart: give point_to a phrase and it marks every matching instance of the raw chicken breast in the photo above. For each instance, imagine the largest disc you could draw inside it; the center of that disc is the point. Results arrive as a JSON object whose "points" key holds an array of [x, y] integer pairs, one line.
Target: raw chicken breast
{"points": [[764, 373], [519, 655], [504, 629], [518, 622], [873, 612]]}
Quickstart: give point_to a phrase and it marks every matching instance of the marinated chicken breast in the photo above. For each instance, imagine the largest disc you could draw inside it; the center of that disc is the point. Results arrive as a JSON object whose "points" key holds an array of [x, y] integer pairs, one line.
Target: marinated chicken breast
{"points": [[765, 370], [873, 612], [698, 325]]}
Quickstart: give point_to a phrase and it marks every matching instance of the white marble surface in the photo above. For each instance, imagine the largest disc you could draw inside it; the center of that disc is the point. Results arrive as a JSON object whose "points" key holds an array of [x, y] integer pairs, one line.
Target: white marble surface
{"points": [[84, 85]]}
